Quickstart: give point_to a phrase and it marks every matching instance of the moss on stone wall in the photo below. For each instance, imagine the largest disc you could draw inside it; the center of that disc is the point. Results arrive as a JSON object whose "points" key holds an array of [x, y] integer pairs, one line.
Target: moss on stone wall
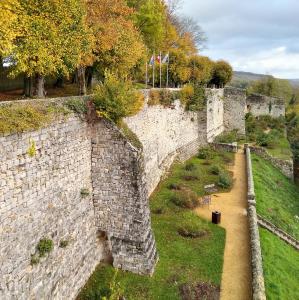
{"points": [[21, 117]]}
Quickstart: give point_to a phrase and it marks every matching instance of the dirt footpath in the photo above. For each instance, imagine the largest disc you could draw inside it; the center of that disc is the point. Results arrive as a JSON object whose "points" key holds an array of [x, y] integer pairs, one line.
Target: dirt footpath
{"points": [[236, 277]]}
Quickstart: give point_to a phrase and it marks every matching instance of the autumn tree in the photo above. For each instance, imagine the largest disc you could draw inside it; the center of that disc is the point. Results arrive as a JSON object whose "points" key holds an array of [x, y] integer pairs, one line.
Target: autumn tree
{"points": [[222, 73], [201, 68], [52, 39], [118, 44], [150, 17], [8, 25]]}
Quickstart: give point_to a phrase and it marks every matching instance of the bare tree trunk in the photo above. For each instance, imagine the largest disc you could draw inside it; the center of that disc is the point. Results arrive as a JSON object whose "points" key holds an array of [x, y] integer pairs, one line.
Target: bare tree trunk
{"points": [[81, 80], [28, 86], [40, 86]]}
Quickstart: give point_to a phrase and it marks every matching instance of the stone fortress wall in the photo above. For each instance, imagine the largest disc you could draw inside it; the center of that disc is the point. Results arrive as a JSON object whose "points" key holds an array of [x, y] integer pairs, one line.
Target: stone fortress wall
{"points": [[41, 196], [263, 105]]}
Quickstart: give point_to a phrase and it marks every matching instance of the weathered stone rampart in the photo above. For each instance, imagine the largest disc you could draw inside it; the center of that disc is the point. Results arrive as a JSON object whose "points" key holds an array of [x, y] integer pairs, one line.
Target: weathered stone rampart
{"points": [[86, 185], [260, 105]]}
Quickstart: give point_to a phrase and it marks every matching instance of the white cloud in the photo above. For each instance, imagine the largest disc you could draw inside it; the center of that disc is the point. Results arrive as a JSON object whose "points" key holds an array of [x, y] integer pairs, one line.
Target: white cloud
{"points": [[259, 36], [278, 62]]}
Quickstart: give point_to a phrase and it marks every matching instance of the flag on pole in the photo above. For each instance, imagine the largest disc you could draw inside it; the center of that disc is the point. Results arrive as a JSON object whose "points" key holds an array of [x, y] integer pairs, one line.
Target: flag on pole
{"points": [[152, 61], [165, 59], [159, 58]]}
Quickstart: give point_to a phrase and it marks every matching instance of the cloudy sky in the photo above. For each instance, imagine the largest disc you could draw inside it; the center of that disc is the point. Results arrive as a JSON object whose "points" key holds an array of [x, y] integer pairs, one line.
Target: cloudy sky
{"points": [[260, 36]]}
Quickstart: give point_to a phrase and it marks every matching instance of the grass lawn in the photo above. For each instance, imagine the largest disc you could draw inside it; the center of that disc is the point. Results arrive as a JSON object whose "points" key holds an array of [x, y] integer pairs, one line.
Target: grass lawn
{"points": [[282, 149], [183, 260], [270, 133], [277, 197], [281, 267]]}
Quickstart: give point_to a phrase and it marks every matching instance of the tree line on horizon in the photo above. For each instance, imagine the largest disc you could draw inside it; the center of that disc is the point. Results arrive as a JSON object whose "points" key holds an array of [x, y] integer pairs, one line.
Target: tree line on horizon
{"points": [[84, 38]]}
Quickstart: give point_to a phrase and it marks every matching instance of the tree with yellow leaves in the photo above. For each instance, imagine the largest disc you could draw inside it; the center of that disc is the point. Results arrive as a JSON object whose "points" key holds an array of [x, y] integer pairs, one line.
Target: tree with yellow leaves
{"points": [[52, 38], [118, 44], [8, 21]]}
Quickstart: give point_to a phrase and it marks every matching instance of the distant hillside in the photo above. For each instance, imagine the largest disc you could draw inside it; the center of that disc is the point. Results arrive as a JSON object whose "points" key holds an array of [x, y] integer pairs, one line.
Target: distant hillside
{"points": [[243, 79]]}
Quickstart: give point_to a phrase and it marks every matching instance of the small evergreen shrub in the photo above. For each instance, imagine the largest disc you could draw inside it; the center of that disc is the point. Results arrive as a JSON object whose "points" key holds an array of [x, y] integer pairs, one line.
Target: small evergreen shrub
{"points": [[115, 98], [166, 98], [190, 176], [225, 180], [44, 246]]}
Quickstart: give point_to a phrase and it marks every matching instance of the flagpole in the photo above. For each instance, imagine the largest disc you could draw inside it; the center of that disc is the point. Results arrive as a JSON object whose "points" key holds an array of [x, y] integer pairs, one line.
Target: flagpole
{"points": [[146, 75], [154, 71], [160, 61], [167, 75]]}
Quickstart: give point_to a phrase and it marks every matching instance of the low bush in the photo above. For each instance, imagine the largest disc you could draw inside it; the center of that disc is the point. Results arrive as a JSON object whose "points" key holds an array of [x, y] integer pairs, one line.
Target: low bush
{"points": [[77, 105], [225, 180], [228, 137], [185, 199], [44, 246], [189, 166], [206, 153], [215, 170], [154, 98], [194, 97], [115, 98]]}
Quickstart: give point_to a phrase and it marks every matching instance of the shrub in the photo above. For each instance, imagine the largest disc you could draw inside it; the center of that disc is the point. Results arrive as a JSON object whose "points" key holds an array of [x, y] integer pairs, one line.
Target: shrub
{"points": [[228, 137], [190, 166], [115, 99], [186, 93], [154, 98], [185, 199], [44, 246], [166, 98], [32, 149], [77, 105], [265, 140], [215, 170], [225, 180], [206, 153]]}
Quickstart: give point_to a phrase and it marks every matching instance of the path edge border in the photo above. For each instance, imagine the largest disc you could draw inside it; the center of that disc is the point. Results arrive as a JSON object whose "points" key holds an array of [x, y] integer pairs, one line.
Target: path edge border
{"points": [[258, 284]]}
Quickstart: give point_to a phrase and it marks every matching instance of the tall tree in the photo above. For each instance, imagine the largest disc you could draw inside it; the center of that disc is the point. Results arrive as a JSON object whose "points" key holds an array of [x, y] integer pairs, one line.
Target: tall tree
{"points": [[8, 25], [118, 44], [53, 38]]}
